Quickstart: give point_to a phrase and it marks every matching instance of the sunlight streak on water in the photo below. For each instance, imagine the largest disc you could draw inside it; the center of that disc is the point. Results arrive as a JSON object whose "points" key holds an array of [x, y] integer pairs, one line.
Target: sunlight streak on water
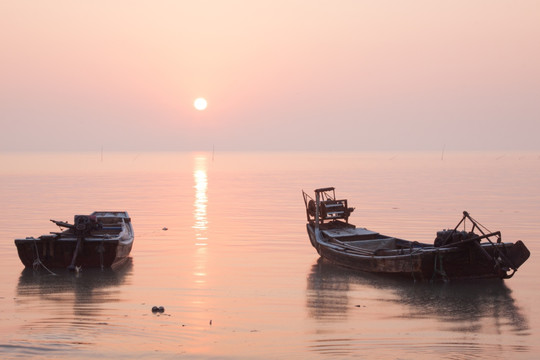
{"points": [[201, 200], [200, 223]]}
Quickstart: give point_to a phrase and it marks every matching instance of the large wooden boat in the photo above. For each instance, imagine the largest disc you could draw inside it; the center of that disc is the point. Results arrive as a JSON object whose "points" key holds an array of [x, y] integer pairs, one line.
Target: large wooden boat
{"points": [[103, 239], [455, 254]]}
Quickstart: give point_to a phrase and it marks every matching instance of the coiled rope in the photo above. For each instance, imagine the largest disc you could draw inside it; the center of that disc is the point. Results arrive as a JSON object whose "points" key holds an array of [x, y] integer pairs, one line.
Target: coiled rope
{"points": [[38, 262]]}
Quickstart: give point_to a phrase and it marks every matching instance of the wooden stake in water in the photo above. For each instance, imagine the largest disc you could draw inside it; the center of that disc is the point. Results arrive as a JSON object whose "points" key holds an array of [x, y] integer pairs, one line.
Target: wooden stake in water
{"points": [[442, 155]]}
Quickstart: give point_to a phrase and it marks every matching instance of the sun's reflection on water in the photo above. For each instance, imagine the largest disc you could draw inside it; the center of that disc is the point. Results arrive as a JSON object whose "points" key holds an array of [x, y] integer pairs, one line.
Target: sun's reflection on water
{"points": [[201, 200], [200, 219]]}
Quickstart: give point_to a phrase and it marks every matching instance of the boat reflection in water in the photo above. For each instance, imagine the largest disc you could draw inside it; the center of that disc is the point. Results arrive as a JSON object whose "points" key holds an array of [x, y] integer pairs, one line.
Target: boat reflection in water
{"points": [[85, 293], [335, 294]]}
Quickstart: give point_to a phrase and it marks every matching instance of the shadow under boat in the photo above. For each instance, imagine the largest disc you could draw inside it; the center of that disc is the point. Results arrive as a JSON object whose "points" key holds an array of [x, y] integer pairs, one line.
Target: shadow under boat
{"points": [[458, 304]]}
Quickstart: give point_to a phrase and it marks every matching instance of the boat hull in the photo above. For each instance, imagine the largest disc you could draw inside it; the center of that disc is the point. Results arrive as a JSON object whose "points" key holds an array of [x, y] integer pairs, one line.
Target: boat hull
{"points": [[423, 262], [59, 253], [106, 243]]}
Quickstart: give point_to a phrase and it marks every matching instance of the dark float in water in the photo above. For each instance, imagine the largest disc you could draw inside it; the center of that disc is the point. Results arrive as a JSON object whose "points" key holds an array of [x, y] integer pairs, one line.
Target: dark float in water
{"points": [[102, 239], [456, 254]]}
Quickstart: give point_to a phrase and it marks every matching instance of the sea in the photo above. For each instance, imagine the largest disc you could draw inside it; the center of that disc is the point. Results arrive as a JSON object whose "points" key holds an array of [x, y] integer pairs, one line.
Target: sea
{"points": [[221, 244]]}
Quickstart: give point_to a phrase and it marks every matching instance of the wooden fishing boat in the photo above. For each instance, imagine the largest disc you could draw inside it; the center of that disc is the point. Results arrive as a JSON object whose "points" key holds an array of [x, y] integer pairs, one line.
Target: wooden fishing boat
{"points": [[455, 254], [103, 239]]}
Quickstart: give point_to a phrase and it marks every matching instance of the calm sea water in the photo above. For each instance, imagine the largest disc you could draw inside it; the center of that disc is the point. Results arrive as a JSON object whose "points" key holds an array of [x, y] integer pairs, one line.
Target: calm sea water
{"points": [[235, 271]]}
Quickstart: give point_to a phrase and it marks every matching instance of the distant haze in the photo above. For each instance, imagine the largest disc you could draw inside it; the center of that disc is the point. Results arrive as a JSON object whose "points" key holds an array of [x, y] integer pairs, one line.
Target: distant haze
{"points": [[277, 75]]}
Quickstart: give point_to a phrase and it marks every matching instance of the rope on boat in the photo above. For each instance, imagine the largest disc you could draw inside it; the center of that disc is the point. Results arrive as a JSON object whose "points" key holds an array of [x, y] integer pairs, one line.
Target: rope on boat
{"points": [[474, 221], [412, 266], [502, 262], [413, 252], [440, 269], [353, 249], [101, 250], [38, 262]]}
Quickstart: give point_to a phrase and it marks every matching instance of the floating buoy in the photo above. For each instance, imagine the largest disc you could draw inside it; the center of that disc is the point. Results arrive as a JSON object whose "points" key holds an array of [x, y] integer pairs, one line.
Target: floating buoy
{"points": [[158, 309]]}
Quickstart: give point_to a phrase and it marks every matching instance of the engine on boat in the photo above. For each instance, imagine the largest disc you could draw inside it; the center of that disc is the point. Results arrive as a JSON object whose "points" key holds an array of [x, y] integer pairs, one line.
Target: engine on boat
{"points": [[330, 209], [85, 224], [446, 237]]}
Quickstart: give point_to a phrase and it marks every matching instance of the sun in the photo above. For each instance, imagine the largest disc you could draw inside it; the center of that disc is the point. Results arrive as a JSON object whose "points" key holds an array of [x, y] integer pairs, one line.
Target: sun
{"points": [[200, 103]]}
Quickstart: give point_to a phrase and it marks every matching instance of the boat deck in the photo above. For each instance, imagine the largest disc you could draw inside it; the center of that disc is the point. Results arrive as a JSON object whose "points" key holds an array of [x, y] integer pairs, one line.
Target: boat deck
{"points": [[378, 244], [351, 234], [367, 241]]}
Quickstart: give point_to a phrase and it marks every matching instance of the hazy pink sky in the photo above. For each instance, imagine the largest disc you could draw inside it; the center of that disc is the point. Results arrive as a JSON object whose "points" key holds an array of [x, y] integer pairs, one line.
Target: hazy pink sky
{"points": [[278, 75]]}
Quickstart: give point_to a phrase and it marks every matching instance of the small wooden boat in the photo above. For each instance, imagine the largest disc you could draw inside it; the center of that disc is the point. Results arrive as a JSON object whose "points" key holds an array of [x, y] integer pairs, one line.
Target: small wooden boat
{"points": [[102, 239], [455, 254]]}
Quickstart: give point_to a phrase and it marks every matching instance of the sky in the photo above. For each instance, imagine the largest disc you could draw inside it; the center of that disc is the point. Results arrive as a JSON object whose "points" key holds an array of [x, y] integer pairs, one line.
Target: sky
{"points": [[277, 75]]}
